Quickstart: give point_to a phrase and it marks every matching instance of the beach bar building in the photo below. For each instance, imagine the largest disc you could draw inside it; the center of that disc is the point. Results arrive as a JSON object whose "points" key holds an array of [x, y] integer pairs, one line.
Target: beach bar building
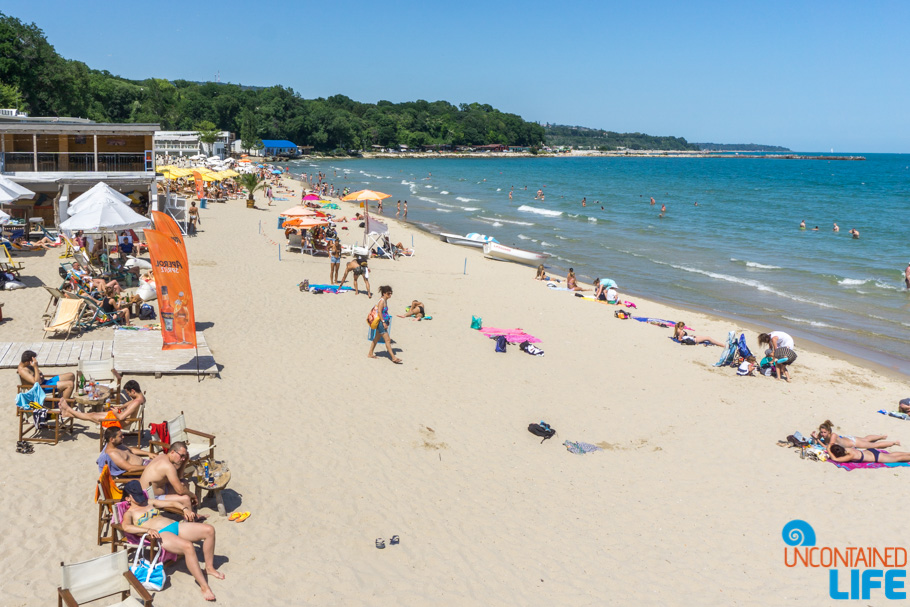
{"points": [[277, 147], [60, 158]]}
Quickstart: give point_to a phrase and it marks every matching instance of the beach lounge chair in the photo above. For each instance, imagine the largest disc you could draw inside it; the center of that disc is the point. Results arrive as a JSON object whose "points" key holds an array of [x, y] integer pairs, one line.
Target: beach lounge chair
{"points": [[295, 241], [66, 317], [95, 316], [56, 295], [179, 432], [129, 541], [101, 577], [107, 495], [7, 263], [31, 431], [729, 354]]}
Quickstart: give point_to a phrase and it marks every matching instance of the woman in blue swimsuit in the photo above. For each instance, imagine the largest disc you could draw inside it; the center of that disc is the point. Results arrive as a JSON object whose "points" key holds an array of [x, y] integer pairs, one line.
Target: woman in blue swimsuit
{"points": [[144, 516], [869, 456]]}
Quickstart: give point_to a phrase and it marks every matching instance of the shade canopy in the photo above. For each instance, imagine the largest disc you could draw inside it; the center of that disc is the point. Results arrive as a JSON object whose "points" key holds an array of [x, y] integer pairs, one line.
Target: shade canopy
{"points": [[104, 216], [10, 191], [305, 222], [300, 211], [365, 195], [312, 197], [97, 194]]}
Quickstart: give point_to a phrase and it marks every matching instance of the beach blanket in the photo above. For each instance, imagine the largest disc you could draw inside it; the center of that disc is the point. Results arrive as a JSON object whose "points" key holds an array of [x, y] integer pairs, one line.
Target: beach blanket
{"points": [[854, 465], [659, 322], [283, 199], [513, 336], [329, 289], [552, 286], [896, 414], [580, 448]]}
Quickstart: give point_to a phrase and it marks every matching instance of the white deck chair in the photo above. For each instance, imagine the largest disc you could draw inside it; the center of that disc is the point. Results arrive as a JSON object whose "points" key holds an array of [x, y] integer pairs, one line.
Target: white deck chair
{"points": [[295, 241], [200, 444], [100, 371], [101, 577]]}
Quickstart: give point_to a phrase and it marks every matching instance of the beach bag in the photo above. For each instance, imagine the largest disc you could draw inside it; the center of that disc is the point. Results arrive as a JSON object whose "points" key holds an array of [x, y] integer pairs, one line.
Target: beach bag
{"points": [[622, 314], [476, 322], [542, 429], [150, 574], [501, 343], [373, 318], [146, 312]]}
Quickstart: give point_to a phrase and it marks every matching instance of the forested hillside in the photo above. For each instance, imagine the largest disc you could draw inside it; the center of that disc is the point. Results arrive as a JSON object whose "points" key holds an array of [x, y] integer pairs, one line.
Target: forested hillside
{"points": [[578, 136], [35, 78]]}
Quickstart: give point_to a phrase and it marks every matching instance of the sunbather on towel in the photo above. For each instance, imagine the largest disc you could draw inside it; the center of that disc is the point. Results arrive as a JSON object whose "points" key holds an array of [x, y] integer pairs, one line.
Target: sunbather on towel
{"points": [[127, 459], [541, 273], [869, 456], [30, 374], [571, 282], [680, 333], [165, 471], [144, 516], [826, 435], [416, 310]]}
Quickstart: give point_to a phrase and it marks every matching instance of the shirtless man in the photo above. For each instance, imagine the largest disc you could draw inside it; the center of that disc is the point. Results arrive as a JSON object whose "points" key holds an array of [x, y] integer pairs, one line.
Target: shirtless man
{"points": [[164, 471], [127, 459], [854, 233], [836, 227], [30, 374], [117, 413], [907, 277]]}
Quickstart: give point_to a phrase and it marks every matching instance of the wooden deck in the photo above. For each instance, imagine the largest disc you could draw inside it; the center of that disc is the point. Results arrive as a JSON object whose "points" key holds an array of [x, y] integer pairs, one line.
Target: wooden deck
{"points": [[140, 353], [55, 353], [135, 353]]}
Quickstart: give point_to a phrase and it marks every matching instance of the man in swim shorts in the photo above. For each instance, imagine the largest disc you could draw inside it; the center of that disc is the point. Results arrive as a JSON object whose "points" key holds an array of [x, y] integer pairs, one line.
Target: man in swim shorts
{"points": [[118, 412], [30, 374], [358, 266]]}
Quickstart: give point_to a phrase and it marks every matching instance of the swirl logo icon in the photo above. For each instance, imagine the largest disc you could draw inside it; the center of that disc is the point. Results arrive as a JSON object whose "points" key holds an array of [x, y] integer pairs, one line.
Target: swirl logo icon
{"points": [[798, 533]]}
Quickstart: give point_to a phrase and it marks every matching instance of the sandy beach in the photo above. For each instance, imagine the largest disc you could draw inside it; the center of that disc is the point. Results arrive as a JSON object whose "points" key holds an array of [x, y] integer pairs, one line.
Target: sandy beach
{"points": [[330, 450]]}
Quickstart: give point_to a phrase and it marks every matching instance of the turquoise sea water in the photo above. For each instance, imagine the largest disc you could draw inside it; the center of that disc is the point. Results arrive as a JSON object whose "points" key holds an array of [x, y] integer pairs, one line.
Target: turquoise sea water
{"points": [[739, 253]]}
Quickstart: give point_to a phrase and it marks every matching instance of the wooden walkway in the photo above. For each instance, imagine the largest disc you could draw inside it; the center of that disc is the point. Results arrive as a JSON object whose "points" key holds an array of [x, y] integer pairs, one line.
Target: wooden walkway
{"points": [[135, 353], [54, 353], [139, 353]]}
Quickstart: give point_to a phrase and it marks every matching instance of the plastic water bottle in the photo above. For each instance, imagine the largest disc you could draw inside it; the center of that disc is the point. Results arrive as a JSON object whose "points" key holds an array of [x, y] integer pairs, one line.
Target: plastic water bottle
{"points": [[206, 472]]}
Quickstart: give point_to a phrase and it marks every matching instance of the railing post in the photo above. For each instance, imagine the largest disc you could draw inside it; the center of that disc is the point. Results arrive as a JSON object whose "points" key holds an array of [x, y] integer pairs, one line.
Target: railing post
{"points": [[95, 140], [35, 150]]}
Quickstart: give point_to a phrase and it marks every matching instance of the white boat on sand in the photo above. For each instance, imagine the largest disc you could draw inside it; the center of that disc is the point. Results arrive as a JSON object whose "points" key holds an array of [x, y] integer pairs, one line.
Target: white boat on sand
{"points": [[470, 240], [504, 253]]}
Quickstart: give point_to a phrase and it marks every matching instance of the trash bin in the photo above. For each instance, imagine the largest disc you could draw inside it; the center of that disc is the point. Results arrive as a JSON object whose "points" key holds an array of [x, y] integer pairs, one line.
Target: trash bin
{"points": [[281, 221], [203, 202]]}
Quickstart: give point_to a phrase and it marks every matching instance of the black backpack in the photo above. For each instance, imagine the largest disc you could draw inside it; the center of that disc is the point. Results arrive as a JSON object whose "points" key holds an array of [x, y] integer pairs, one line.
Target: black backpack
{"points": [[542, 429], [146, 312], [501, 343]]}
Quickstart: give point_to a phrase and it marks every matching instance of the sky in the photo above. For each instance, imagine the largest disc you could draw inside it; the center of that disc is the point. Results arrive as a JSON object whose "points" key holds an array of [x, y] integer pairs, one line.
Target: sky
{"points": [[807, 75]]}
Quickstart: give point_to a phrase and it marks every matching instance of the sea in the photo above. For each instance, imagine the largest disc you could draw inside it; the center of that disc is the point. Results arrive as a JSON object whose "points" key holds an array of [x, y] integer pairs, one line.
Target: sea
{"points": [[738, 253]]}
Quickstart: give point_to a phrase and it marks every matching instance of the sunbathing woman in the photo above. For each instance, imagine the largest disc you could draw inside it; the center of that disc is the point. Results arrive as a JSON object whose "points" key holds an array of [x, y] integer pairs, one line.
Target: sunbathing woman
{"points": [[416, 310], [571, 282], [869, 456], [679, 333], [541, 273], [144, 516], [45, 243], [872, 441]]}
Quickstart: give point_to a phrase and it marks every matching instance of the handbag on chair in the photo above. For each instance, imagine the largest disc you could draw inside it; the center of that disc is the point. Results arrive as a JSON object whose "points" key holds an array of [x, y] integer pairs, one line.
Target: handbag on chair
{"points": [[150, 574]]}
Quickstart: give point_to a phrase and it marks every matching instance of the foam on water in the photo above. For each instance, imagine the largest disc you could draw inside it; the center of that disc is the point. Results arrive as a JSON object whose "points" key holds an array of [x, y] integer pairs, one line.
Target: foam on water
{"points": [[516, 223], [464, 199], [547, 212], [443, 192]]}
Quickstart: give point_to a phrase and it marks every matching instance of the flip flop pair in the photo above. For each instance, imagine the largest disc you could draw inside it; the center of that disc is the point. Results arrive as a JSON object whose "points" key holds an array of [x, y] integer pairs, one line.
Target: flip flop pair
{"points": [[380, 543], [240, 516]]}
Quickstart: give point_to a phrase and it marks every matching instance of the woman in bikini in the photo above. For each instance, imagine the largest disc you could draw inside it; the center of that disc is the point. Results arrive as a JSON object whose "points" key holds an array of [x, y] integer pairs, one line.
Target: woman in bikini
{"points": [[870, 456], [872, 441], [382, 329], [571, 282], [144, 516], [416, 310], [541, 273], [334, 261], [680, 334]]}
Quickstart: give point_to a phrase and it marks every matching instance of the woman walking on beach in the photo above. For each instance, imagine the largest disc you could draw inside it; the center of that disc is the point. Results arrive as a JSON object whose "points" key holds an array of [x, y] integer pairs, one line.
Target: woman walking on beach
{"points": [[335, 261], [382, 327]]}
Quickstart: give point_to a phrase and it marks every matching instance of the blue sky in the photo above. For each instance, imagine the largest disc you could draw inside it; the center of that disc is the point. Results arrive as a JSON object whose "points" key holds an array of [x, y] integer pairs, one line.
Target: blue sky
{"points": [[807, 75]]}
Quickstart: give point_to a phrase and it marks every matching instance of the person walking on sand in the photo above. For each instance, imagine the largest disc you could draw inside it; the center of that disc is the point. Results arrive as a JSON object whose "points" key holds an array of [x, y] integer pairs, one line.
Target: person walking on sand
{"points": [[382, 328]]}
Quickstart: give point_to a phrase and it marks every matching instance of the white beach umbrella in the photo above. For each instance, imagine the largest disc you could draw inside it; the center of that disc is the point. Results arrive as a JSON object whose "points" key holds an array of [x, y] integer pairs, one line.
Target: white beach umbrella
{"points": [[215, 158], [106, 216], [10, 191], [4, 218], [98, 193]]}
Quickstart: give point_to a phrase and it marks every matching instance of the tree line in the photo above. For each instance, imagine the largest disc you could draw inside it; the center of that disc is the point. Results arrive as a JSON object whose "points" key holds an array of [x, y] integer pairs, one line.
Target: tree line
{"points": [[35, 78], [598, 139]]}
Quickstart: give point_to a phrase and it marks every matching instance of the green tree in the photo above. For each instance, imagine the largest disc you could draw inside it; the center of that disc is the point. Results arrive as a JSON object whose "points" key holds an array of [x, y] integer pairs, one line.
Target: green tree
{"points": [[252, 183], [10, 97], [208, 134], [249, 138]]}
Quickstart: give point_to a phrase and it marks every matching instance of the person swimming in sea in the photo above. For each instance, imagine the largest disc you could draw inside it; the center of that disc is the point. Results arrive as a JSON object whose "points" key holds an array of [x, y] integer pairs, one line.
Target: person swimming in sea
{"points": [[836, 227], [854, 232], [802, 224]]}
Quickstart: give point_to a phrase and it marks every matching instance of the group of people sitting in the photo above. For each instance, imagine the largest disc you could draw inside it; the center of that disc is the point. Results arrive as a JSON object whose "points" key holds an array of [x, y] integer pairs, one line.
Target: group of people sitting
{"points": [[157, 475], [106, 293]]}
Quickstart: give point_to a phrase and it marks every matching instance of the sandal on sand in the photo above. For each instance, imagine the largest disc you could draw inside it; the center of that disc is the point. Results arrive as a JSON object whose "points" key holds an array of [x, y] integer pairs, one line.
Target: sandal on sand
{"points": [[380, 543], [395, 539], [234, 516], [24, 448], [244, 516]]}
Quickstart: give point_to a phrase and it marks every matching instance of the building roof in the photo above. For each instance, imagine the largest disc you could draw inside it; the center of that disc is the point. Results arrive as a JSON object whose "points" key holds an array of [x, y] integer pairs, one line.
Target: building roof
{"points": [[71, 126], [278, 143]]}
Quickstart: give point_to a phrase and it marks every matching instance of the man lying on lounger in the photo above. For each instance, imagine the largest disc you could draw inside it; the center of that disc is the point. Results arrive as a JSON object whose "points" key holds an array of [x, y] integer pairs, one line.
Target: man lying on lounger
{"points": [[125, 460], [30, 374], [164, 472]]}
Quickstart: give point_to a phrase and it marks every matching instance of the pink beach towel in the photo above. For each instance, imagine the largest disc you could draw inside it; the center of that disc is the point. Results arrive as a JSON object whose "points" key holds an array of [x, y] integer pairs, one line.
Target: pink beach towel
{"points": [[854, 465], [513, 336]]}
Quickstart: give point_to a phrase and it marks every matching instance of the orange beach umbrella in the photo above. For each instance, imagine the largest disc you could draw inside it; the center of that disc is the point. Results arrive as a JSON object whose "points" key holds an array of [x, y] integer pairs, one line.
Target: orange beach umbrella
{"points": [[305, 222], [364, 195]]}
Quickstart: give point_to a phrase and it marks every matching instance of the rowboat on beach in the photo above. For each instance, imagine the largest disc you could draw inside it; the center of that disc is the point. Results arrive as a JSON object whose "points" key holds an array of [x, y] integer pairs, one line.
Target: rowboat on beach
{"points": [[469, 240], [501, 252]]}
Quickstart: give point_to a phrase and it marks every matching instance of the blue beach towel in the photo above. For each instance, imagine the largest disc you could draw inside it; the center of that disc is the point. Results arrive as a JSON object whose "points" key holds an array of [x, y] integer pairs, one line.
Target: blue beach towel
{"points": [[35, 395], [581, 448], [729, 351]]}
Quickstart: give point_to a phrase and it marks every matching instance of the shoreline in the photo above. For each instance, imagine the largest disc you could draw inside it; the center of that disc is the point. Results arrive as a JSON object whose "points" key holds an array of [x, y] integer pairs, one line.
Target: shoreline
{"points": [[586, 154]]}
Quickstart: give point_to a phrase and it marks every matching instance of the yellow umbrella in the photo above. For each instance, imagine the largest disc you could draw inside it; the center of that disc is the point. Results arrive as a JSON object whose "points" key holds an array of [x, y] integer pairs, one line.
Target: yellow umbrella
{"points": [[365, 195], [231, 173]]}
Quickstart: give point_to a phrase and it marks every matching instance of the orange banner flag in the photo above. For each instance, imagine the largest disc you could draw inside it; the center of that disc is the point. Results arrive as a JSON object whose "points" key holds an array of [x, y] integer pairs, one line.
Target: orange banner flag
{"points": [[175, 296], [165, 223], [200, 185]]}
